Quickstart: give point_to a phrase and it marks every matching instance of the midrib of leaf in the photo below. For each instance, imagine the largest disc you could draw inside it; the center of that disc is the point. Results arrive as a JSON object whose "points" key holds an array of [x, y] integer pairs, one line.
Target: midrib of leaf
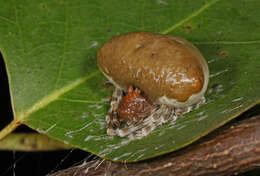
{"points": [[43, 102], [54, 96], [19, 118]]}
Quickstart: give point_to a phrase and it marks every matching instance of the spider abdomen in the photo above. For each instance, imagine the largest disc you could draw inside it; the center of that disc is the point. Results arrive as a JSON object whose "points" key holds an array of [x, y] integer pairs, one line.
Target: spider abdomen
{"points": [[168, 69], [158, 78]]}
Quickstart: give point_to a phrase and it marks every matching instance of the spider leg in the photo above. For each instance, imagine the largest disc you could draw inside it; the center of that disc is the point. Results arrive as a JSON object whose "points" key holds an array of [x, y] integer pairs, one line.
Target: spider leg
{"points": [[162, 115], [112, 118], [142, 128], [185, 110], [199, 103], [133, 126]]}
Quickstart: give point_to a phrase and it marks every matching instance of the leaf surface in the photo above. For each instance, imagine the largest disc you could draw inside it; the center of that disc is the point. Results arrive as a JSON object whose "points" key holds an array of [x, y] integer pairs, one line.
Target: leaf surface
{"points": [[50, 48]]}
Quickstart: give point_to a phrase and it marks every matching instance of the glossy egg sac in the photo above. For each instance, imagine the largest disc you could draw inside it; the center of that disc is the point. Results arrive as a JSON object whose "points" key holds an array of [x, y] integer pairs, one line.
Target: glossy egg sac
{"points": [[168, 70]]}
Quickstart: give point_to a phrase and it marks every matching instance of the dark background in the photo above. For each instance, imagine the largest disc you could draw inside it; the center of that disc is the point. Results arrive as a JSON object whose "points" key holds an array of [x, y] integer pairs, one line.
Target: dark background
{"points": [[42, 163]]}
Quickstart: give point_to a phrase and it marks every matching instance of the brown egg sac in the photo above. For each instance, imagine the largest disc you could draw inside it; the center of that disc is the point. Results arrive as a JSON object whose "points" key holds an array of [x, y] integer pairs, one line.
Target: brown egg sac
{"points": [[160, 65], [158, 78]]}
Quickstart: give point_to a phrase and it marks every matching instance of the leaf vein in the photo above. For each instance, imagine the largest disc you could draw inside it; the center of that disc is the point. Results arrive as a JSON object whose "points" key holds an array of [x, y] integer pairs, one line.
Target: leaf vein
{"points": [[81, 101], [65, 44], [21, 38], [54, 96], [194, 14], [8, 20]]}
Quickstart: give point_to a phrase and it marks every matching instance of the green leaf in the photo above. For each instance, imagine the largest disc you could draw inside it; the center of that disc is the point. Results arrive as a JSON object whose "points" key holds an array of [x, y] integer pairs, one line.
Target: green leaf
{"points": [[56, 88], [31, 142]]}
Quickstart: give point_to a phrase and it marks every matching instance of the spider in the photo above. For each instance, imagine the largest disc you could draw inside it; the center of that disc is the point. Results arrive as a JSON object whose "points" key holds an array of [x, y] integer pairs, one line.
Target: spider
{"points": [[157, 79], [135, 116]]}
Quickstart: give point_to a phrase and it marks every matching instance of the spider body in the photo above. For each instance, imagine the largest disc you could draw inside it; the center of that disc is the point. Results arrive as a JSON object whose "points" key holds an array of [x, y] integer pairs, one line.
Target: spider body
{"points": [[134, 105], [157, 79]]}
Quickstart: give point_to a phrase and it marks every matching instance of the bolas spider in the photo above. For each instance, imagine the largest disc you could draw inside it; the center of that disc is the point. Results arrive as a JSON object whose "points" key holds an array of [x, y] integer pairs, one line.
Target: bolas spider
{"points": [[157, 79]]}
